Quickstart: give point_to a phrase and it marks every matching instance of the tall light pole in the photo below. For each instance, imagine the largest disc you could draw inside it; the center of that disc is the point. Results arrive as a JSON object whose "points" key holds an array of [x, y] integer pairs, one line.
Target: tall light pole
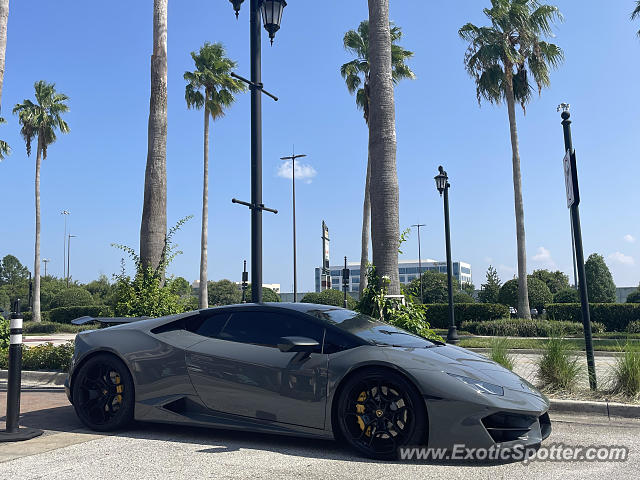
{"points": [[66, 213], [293, 158], [418, 225], [271, 11], [45, 261], [69, 256], [442, 184]]}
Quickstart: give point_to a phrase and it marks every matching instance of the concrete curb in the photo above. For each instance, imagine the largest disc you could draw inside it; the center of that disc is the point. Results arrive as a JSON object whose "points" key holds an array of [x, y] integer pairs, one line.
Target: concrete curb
{"points": [[606, 409], [535, 351], [41, 379]]}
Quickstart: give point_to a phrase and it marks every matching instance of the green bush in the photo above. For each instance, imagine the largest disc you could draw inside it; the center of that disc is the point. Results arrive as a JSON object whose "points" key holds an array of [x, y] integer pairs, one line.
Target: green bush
{"points": [[463, 297], [500, 352], [568, 295], [634, 297], [539, 293], [42, 357], [4, 333], [615, 316], [39, 328], [600, 286], [66, 314], [559, 368], [633, 327], [438, 314], [72, 297], [434, 287], [28, 316], [526, 328], [330, 297], [268, 295], [626, 372]]}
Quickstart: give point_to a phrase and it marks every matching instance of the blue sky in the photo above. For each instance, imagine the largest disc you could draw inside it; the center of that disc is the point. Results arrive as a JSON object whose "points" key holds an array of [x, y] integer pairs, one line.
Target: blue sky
{"points": [[100, 57]]}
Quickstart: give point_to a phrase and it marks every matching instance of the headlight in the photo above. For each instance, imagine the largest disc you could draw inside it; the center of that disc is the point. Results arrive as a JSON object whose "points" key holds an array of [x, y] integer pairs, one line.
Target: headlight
{"points": [[480, 386]]}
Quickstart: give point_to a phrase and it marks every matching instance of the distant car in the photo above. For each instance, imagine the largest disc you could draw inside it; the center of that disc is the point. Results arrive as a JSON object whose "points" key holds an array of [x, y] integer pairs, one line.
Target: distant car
{"points": [[534, 312], [513, 311], [301, 369]]}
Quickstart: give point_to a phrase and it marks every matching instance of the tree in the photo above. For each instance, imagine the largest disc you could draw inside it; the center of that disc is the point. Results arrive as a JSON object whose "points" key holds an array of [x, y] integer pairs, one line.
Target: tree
{"points": [[556, 281], [153, 227], [41, 120], [636, 13], [434, 287], [210, 86], [4, 17], [12, 271], [268, 295], [600, 286], [356, 75], [73, 296], [224, 292], [180, 286], [5, 149], [101, 290], [634, 297], [490, 290], [567, 295], [385, 226], [330, 297], [501, 59], [539, 294]]}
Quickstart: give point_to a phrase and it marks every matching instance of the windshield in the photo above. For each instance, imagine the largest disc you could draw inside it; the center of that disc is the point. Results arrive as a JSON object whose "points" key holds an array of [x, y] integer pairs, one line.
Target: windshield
{"points": [[371, 330]]}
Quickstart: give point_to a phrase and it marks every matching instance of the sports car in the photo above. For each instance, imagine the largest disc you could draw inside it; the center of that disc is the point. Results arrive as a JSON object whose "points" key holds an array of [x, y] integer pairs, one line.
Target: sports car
{"points": [[305, 370]]}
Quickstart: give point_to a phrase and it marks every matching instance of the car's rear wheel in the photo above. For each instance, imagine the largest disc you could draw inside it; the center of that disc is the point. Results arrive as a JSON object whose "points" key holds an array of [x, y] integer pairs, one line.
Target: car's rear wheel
{"points": [[380, 411], [103, 393]]}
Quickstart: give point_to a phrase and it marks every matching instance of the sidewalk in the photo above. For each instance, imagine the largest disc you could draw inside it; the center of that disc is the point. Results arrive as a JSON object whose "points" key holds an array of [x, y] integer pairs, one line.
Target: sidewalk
{"points": [[55, 338]]}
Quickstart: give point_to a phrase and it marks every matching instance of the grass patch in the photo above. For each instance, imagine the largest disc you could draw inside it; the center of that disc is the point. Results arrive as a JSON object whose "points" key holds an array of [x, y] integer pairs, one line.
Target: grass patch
{"points": [[559, 367], [500, 352], [601, 345], [626, 372]]}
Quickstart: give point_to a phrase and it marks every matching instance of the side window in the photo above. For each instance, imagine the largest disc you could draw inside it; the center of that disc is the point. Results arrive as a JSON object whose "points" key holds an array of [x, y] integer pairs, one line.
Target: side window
{"points": [[206, 324], [266, 328], [337, 342]]}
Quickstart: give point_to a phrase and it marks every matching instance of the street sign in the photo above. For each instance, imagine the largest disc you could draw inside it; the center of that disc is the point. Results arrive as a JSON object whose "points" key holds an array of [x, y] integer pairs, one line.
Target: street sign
{"points": [[571, 178]]}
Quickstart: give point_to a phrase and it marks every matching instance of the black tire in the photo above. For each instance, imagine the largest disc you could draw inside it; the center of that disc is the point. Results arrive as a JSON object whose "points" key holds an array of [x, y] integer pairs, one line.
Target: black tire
{"points": [[377, 425], [103, 393]]}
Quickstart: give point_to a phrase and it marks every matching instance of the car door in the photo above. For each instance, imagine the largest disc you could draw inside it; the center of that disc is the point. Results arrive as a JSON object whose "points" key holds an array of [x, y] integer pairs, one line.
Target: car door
{"points": [[239, 369]]}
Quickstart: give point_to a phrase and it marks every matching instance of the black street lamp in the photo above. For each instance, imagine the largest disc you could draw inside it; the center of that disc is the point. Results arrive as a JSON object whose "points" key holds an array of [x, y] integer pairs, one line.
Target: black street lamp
{"points": [[271, 11], [419, 225], [345, 281], [442, 183]]}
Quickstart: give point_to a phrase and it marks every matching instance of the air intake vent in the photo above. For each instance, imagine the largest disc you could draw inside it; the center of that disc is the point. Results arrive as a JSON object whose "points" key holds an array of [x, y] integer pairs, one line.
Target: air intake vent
{"points": [[507, 427]]}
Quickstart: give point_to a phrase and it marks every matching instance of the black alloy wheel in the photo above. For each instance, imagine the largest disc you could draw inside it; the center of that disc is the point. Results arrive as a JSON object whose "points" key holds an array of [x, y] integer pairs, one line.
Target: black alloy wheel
{"points": [[103, 393], [378, 412]]}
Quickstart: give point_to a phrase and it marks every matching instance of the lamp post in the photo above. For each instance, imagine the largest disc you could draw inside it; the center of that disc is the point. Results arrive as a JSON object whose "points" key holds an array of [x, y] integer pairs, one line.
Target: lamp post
{"points": [[442, 184], [271, 11], [345, 281], [69, 256], [45, 261], [293, 158], [66, 213], [418, 225], [245, 283]]}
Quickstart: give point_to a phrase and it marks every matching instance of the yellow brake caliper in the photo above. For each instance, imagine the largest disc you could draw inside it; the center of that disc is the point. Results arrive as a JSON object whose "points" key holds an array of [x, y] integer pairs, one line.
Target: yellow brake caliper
{"points": [[119, 389], [360, 409]]}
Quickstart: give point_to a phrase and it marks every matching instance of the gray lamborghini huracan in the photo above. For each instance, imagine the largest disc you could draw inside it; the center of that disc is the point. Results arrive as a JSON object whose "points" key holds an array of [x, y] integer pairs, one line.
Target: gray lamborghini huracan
{"points": [[301, 369]]}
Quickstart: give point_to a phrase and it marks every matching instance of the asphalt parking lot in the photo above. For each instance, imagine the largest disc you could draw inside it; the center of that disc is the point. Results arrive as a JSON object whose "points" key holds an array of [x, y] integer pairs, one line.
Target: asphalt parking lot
{"points": [[147, 451]]}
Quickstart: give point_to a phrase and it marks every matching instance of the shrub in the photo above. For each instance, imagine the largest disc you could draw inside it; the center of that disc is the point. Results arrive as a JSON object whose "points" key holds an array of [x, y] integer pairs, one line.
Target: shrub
{"points": [[600, 286], [556, 281], [66, 314], [499, 352], [626, 372], [615, 316], [526, 328], [438, 314], [462, 297], [633, 327], [28, 316], [330, 297], [72, 297], [4, 333], [42, 357], [634, 297], [568, 295], [268, 295], [434, 287], [559, 368], [539, 293], [410, 317], [50, 327]]}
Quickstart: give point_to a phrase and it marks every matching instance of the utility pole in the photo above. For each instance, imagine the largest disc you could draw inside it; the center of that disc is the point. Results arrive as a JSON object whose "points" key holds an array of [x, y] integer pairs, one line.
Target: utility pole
{"points": [[45, 260], [66, 213], [418, 225], [69, 257]]}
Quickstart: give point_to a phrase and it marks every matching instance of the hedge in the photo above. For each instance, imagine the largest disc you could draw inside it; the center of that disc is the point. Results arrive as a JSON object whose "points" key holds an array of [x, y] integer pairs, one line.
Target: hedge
{"points": [[66, 314], [438, 313], [527, 328], [28, 316], [615, 316], [42, 357]]}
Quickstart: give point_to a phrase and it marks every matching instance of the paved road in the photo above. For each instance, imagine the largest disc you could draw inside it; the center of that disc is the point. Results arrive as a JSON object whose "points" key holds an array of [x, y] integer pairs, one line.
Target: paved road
{"points": [[147, 451]]}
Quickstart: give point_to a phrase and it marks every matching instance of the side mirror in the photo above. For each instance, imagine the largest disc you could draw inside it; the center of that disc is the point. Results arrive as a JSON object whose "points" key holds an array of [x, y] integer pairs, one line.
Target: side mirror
{"points": [[297, 344]]}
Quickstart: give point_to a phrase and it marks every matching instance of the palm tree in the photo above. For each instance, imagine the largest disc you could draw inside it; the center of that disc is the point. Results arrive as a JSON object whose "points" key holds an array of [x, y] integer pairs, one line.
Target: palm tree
{"points": [[4, 16], [153, 227], [210, 86], [356, 75], [41, 119], [385, 227], [501, 59], [5, 149], [636, 13]]}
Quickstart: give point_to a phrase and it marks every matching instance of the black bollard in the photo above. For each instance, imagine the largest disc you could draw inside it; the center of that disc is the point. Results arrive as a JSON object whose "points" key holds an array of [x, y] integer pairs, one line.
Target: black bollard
{"points": [[13, 432]]}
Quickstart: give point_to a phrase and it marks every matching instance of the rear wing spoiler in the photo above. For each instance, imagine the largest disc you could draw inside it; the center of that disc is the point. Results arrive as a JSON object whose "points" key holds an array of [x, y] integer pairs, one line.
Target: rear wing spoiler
{"points": [[107, 320]]}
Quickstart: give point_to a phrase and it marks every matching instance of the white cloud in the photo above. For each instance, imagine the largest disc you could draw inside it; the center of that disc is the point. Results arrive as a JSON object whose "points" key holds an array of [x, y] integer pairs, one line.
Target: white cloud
{"points": [[629, 238], [303, 171], [543, 257], [621, 258]]}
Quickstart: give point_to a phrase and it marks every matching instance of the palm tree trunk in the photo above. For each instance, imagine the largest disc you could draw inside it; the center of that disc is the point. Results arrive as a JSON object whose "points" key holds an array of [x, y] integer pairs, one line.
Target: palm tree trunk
{"points": [[4, 16], [153, 228], [36, 263], [366, 228], [385, 228], [523, 290], [204, 296]]}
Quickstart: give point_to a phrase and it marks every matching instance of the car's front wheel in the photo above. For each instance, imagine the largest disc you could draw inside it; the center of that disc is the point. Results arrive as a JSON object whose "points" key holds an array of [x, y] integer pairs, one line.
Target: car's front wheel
{"points": [[103, 393], [380, 411]]}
